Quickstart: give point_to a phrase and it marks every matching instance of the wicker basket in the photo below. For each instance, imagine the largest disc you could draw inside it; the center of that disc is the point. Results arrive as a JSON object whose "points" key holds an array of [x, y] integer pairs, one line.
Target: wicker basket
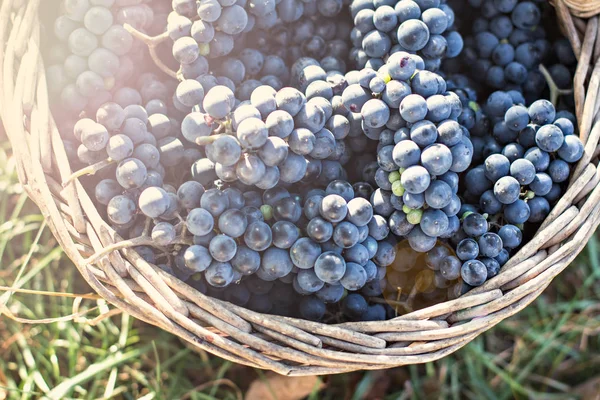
{"points": [[285, 345]]}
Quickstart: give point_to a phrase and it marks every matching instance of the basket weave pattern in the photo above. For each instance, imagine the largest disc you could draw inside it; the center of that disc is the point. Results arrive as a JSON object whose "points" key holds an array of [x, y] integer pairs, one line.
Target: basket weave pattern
{"points": [[285, 345]]}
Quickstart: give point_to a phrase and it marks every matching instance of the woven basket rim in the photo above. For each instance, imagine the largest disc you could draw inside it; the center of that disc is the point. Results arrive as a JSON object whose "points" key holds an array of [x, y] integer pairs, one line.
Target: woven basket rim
{"points": [[288, 346]]}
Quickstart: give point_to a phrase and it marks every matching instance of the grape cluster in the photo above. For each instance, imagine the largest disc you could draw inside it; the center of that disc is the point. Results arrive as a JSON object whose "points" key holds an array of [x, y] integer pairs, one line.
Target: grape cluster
{"points": [[286, 135], [263, 53], [101, 57], [516, 185], [418, 164], [526, 177], [315, 35], [382, 28], [507, 44], [210, 28], [267, 173], [480, 252]]}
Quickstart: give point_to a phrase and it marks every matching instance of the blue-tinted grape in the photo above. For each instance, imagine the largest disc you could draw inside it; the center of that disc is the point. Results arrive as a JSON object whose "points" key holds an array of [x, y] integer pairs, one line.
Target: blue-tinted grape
{"points": [[331, 293], [496, 167], [341, 188], [154, 202], [189, 194], [511, 236], [490, 244], [185, 50], [302, 141], [541, 184], [82, 42], [507, 190], [94, 137], [413, 108], [360, 212], [415, 179], [258, 236], [276, 262], [358, 254], [354, 306], [285, 234], [333, 208], [294, 168], [200, 222], [378, 227], [450, 268], [413, 35], [539, 209], [542, 112], [475, 225], [131, 173], [106, 189], [419, 241], [572, 149], [437, 159], [311, 308], [549, 138], [559, 171], [233, 223], [319, 230], [467, 249], [215, 202], [246, 261], [274, 151], [190, 92], [424, 133], [330, 267], [523, 171], [197, 258], [219, 274], [517, 212], [287, 209], [121, 210], [354, 278], [434, 223], [346, 235]]}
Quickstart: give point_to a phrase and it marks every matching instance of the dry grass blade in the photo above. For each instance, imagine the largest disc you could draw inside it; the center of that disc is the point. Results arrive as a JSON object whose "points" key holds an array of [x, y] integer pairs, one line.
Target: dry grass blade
{"points": [[89, 296], [66, 318]]}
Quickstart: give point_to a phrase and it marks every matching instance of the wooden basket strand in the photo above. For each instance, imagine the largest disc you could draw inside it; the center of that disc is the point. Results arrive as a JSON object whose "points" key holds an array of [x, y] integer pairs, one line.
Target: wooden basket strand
{"points": [[286, 345]]}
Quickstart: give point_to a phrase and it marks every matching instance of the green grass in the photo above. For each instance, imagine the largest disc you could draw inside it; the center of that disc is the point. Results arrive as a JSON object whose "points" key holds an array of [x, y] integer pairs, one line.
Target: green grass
{"points": [[548, 351]]}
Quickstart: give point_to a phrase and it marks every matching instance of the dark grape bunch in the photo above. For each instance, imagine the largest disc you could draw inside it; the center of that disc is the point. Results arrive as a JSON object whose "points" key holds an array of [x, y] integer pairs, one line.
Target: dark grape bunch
{"points": [[515, 187], [422, 27], [274, 37], [526, 178], [507, 44], [419, 162], [321, 33], [210, 28], [136, 124], [101, 56], [287, 135], [269, 173], [480, 248]]}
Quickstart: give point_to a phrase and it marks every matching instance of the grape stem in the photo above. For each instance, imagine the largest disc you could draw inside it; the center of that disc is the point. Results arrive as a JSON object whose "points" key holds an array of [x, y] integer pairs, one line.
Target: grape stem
{"points": [[90, 170], [147, 224], [555, 91], [206, 140], [153, 42], [126, 244]]}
